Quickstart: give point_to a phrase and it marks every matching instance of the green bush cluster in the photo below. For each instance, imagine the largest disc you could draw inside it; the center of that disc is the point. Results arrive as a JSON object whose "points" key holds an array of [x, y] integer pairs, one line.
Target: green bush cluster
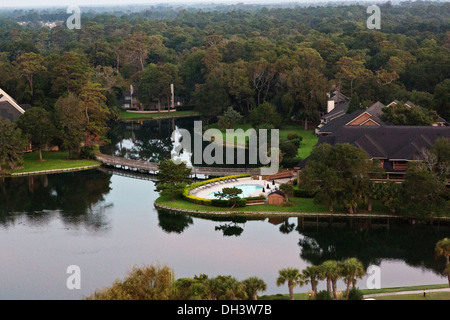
{"points": [[159, 283], [323, 295], [294, 136], [355, 294]]}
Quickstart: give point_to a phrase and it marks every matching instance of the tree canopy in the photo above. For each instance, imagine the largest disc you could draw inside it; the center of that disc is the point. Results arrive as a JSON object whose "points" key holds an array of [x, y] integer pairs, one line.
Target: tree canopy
{"points": [[288, 55]]}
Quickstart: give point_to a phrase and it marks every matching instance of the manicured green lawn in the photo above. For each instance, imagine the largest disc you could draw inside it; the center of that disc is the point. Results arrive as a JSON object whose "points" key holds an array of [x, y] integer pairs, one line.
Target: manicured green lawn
{"points": [[148, 116], [309, 139], [398, 289], [52, 161], [412, 296], [299, 205], [417, 296], [239, 136]]}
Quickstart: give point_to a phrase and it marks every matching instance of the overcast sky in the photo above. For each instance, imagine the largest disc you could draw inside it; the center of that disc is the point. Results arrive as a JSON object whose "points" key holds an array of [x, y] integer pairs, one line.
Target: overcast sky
{"points": [[46, 3]]}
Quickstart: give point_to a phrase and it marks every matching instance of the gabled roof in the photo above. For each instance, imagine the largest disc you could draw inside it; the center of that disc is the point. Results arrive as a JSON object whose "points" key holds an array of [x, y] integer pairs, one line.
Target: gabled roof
{"points": [[278, 192], [371, 146], [338, 117], [8, 111], [340, 105], [413, 150], [332, 126], [338, 97], [376, 110], [25, 106], [4, 97], [442, 120], [337, 112], [389, 142]]}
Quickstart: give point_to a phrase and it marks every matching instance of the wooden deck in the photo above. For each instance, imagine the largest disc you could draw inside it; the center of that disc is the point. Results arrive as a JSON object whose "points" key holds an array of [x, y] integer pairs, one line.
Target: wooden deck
{"points": [[152, 167]]}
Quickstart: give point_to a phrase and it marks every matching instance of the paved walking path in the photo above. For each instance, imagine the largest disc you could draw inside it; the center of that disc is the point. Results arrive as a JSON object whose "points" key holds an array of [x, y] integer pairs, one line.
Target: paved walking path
{"points": [[405, 292]]}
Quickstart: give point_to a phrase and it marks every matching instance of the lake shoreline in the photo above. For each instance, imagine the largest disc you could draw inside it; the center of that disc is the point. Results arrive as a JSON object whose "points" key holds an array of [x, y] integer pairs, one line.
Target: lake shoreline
{"points": [[148, 116], [51, 171], [53, 162], [217, 213]]}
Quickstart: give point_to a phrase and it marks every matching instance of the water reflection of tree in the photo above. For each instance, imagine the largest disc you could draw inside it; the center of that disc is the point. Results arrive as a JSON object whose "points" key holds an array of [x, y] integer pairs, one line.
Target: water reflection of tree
{"points": [[412, 244], [78, 197], [154, 149], [150, 140], [173, 222], [287, 227], [230, 229], [365, 240]]}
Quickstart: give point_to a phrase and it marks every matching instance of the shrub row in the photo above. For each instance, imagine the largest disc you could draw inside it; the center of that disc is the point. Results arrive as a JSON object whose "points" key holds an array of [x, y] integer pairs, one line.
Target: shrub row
{"points": [[185, 108], [256, 198], [226, 203], [303, 193]]}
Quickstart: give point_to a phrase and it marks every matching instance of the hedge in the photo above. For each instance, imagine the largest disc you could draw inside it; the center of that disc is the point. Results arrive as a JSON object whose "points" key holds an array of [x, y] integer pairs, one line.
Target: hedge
{"points": [[303, 193], [227, 203], [185, 108], [207, 202], [255, 198]]}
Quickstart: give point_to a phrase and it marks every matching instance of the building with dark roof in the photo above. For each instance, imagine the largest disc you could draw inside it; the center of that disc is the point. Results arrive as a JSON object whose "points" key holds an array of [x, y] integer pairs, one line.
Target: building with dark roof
{"points": [[9, 109], [336, 106], [276, 197], [392, 146], [368, 117]]}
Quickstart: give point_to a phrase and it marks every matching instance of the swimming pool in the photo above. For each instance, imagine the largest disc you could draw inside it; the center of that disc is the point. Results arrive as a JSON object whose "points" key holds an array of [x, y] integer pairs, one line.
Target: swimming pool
{"points": [[247, 190]]}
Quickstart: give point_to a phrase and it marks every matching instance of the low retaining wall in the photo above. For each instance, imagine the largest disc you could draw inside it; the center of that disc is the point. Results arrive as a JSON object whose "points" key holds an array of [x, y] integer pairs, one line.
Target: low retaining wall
{"points": [[272, 213], [20, 174], [265, 214]]}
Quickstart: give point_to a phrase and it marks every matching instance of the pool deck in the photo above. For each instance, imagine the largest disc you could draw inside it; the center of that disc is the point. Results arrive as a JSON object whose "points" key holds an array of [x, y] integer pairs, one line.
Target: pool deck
{"points": [[204, 192]]}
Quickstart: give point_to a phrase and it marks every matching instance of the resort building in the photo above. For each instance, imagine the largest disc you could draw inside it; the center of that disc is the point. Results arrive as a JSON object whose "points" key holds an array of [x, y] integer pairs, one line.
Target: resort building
{"points": [[337, 118], [9, 109], [392, 146]]}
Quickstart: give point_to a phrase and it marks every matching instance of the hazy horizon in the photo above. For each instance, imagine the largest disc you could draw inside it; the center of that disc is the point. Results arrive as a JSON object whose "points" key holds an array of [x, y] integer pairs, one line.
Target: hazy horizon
{"points": [[60, 3]]}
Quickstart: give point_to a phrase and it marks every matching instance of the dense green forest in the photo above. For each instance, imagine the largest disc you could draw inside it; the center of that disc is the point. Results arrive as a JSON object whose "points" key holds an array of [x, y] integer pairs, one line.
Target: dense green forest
{"points": [[240, 56]]}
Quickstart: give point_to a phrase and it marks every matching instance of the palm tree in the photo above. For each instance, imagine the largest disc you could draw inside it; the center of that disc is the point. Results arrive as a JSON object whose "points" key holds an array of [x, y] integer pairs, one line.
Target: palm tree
{"points": [[332, 271], [253, 285], [293, 278], [447, 271], [312, 275], [443, 249], [352, 268], [234, 289]]}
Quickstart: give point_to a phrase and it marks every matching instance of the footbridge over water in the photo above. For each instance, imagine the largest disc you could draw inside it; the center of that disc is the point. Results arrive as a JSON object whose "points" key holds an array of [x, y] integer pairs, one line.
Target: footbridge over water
{"points": [[152, 167]]}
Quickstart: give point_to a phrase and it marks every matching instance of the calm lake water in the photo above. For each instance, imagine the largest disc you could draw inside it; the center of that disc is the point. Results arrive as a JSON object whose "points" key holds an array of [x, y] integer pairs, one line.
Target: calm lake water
{"points": [[151, 141], [106, 224]]}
